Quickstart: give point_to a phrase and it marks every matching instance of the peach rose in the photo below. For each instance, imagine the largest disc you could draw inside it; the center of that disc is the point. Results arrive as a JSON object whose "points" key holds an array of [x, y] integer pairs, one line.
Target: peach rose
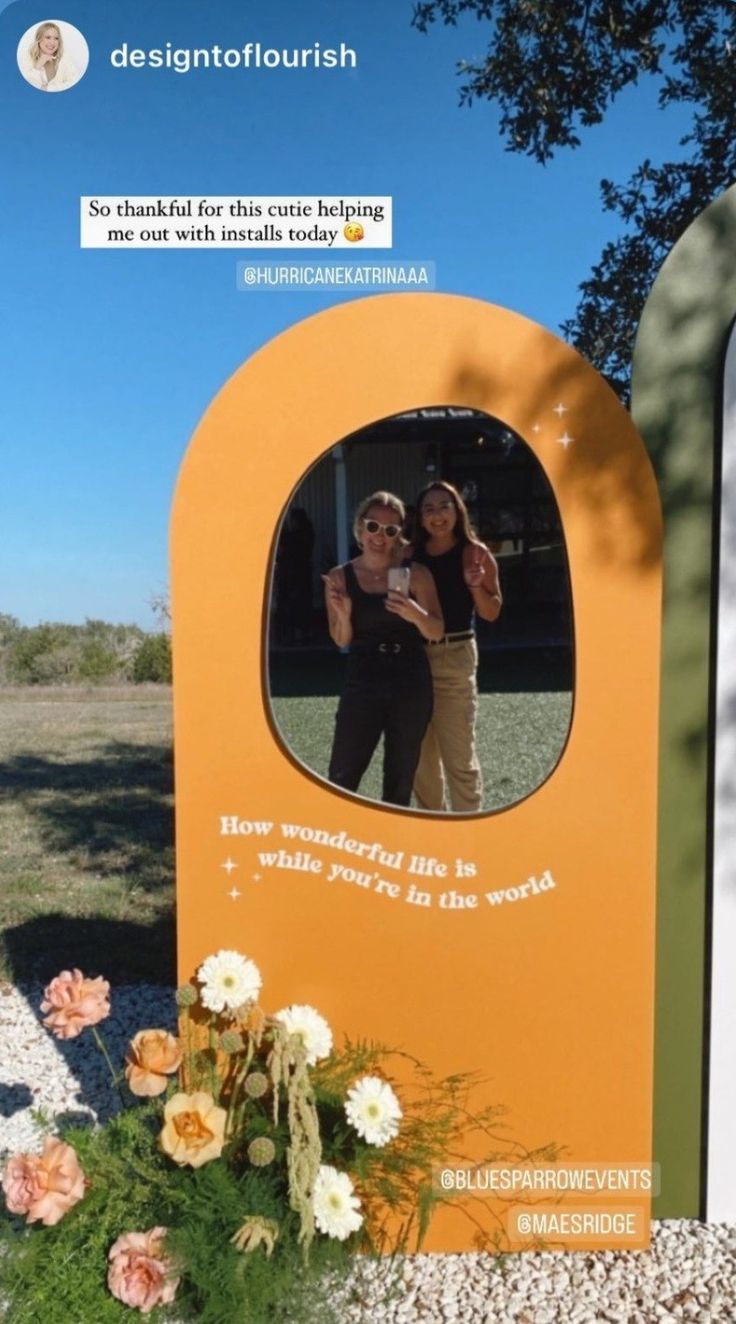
{"points": [[140, 1273], [194, 1128], [74, 1003], [153, 1055], [44, 1186]]}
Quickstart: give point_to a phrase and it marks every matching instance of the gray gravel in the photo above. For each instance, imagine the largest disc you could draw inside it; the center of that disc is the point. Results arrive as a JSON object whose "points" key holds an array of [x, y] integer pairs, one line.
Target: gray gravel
{"points": [[69, 1076], [689, 1274]]}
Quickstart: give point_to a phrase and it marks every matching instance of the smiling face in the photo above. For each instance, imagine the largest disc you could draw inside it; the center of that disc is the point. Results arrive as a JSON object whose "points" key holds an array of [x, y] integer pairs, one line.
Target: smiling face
{"points": [[380, 543], [49, 42], [438, 513]]}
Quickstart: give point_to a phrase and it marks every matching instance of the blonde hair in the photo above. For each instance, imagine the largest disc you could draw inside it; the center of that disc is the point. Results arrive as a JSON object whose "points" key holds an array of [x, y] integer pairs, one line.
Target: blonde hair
{"points": [[378, 499], [36, 44]]}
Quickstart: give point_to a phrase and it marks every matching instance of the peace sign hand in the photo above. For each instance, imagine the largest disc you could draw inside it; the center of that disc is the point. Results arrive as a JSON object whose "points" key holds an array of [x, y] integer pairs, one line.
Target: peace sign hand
{"points": [[338, 600], [474, 573]]}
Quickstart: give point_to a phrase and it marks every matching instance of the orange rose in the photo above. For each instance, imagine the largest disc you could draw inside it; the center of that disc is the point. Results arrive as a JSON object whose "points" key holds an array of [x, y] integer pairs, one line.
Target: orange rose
{"points": [[74, 1003], [22, 1182], [141, 1274], [153, 1055], [44, 1186], [194, 1128]]}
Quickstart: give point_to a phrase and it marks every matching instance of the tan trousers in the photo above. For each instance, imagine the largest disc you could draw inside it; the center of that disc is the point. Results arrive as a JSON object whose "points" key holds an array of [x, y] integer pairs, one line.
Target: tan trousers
{"points": [[449, 743]]}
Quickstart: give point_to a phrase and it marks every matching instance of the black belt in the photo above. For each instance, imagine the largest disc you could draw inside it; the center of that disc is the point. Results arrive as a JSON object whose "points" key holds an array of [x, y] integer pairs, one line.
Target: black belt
{"points": [[388, 648], [453, 638]]}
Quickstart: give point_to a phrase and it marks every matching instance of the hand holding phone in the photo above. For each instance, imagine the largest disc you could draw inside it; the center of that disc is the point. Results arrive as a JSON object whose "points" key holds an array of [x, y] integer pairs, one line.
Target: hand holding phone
{"points": [[399, 577]]}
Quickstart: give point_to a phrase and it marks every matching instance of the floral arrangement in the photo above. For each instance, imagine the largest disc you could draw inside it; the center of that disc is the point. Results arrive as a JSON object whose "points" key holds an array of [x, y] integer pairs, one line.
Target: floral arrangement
{"points": [[247, 1160]]}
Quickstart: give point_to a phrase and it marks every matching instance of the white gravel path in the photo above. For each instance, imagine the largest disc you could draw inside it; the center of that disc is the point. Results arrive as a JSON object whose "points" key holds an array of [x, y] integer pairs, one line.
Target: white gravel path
{"points": [[689, 1274], [57, 1076]]}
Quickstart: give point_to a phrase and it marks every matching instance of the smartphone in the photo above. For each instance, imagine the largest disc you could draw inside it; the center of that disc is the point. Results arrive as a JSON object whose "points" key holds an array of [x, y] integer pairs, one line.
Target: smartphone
{"points": [[398, 579]]}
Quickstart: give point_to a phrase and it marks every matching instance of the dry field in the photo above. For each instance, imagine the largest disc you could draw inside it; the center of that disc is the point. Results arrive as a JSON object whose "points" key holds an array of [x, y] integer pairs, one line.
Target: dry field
{"points": [[86, 832]]}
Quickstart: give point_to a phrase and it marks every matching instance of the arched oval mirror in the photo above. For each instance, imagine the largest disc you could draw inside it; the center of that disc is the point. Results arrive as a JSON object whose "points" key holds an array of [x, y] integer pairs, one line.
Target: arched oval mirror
{"points": [[500, 668]]}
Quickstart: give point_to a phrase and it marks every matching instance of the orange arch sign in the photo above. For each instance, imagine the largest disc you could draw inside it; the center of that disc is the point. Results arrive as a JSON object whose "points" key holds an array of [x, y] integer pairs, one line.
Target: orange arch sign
{"points": [[547, 993]]}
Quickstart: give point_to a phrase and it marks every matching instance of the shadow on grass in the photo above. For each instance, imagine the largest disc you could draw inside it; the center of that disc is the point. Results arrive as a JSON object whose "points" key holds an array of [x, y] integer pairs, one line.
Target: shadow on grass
{"points": [[111, 814], [121, 950]]}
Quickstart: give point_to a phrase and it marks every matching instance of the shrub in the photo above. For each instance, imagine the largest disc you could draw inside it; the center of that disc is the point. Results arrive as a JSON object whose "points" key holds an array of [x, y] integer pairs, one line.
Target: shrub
{"points": [[42, 655], [97, 662], [152, 661]]}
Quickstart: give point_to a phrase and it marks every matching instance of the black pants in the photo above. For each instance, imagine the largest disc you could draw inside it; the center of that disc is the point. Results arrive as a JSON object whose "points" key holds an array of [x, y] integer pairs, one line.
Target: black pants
{"points": [[389, 695]]}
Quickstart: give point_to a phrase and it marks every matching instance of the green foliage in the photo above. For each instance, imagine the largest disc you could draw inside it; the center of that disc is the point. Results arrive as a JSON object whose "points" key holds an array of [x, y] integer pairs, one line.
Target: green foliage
{"points": [[58, 1275], [396, 1182], [45, 1274], [58, 654], [554, 69], [223, 1284], [239, 1232], [97, 662], [152, 661], [9, 629], [41, 655]]}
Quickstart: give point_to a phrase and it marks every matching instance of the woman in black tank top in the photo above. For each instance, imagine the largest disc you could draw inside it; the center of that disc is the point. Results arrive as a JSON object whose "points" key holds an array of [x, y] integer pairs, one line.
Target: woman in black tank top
{"points": [[385, 620], [466, 578]]}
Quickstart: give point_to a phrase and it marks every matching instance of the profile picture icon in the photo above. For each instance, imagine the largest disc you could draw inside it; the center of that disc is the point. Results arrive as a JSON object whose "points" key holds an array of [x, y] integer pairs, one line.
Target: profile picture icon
{"points": [[52, 55]]}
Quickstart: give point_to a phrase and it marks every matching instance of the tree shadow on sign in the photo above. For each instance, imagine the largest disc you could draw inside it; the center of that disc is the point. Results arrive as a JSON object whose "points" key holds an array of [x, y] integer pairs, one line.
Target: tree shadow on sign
{"points": [[678, 405], [596, 469]]}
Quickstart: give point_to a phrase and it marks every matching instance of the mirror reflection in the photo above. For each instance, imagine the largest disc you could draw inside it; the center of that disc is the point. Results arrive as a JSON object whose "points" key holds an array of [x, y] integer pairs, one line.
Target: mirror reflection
{"points": [[420, 648]]}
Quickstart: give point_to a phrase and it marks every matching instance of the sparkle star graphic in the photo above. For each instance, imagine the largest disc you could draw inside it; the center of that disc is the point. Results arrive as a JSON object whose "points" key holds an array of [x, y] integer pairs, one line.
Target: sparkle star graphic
{"points": [[565, 440], [229, 865], [536, 428], [234, 894], [560, 409], [256, 878]]}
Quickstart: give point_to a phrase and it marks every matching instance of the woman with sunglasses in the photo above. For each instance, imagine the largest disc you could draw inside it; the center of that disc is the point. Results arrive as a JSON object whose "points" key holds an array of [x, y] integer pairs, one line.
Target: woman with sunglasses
{"points": [[466, 577], [384, 612]]}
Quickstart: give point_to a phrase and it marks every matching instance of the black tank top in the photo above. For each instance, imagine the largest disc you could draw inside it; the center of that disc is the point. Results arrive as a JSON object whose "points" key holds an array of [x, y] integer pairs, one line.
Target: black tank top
{"points": [[455, 597], [373, 625]]}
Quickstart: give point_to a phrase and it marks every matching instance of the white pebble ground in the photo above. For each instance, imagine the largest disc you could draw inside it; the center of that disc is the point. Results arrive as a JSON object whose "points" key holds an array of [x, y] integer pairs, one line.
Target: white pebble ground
{"points": [[689, 1274]]}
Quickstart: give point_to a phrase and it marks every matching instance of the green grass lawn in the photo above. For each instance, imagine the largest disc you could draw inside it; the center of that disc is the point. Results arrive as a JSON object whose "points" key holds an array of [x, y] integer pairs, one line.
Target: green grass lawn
{"points": [[86, 832], [520, 737]]}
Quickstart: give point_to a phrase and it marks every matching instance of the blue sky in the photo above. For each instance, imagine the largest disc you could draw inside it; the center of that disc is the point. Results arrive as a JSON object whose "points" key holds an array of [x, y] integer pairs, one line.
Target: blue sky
{"points": [[110, 358]]}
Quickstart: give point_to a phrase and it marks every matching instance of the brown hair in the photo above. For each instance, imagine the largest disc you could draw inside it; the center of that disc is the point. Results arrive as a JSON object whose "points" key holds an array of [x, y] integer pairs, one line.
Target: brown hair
{"points": [[464, 529]]}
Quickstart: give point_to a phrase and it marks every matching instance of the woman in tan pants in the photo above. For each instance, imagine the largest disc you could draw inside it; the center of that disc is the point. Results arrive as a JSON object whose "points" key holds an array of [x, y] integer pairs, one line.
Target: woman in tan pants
{"points": [[466, 576]]}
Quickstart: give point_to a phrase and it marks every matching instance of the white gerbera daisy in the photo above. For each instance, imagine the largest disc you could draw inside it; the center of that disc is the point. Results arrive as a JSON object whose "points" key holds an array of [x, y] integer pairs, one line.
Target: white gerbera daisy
{"points": [[373, 1109], [228, 980], [336, 1209], [311, 1028]]}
